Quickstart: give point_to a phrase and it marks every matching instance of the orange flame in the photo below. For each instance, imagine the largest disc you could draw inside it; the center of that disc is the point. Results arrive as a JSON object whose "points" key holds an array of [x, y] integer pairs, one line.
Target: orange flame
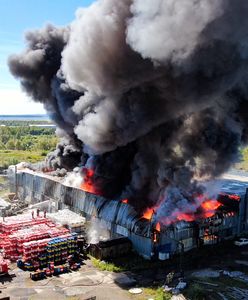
{"points": [[209, 207], [88, 185], [185, 217], [158, 227], [206, 209], [124, 201], [232, 197], [148, 213]]}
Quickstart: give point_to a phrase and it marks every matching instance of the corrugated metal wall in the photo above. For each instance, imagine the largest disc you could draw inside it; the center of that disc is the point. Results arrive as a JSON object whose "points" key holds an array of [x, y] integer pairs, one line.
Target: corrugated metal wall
{"points": [[142, 245], [119, 218]]}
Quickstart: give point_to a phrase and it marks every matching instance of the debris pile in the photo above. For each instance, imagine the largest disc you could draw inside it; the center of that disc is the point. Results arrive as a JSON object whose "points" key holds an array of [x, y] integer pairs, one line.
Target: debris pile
{"points": [[15, 206], [4, 204]]}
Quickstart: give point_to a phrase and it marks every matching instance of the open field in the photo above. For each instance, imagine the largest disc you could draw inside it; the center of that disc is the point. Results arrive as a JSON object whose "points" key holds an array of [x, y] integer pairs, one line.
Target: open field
{"points": [[11, 157], [25, 143]]}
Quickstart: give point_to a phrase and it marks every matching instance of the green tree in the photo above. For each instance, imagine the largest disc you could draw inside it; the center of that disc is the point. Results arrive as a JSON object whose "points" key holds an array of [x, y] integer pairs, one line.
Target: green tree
{"points": [[11, 144], [2, 145]]}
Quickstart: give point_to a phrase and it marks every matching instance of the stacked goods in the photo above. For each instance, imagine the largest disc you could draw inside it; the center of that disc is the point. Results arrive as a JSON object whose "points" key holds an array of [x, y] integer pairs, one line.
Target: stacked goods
{"points": [[71, 220], [34, 249], [53, 270], [37, 232], [38, 254], [10, 251], [77, 228], [13, 244], [19, 230], [14, 223], [60, 248]]}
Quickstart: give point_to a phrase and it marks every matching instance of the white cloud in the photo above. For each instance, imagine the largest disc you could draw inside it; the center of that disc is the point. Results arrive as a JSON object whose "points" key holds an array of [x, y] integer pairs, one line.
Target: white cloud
{"points": [[15, 102]]}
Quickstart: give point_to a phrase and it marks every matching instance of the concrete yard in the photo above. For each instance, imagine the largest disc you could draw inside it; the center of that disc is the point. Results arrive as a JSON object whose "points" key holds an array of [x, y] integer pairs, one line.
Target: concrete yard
{"points": [[221, 277], [83, 284]]}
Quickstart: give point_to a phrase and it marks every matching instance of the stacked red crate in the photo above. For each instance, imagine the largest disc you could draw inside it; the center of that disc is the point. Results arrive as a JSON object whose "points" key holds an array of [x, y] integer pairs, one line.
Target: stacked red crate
{"points": [[18, 230]]}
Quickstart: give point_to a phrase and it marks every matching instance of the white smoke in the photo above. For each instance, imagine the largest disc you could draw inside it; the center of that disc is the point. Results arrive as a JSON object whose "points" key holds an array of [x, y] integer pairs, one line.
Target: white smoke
{"points": [[97, 231], [73, 179], [103, 23], [169, 30]]}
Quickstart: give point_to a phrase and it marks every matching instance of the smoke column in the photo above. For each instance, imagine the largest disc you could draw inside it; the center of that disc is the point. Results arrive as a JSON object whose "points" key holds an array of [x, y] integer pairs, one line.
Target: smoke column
{"points": [[150, 95]]}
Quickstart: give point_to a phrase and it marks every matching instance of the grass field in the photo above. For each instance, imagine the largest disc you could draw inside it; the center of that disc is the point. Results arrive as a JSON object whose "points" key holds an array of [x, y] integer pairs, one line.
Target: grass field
{"points": [[155, 293], [10, 157]]}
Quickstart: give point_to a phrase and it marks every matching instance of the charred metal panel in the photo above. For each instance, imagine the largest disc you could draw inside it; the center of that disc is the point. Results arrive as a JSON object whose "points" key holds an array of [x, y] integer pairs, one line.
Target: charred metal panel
{"points": [[111, 248], [126, 216], [143, 245]]}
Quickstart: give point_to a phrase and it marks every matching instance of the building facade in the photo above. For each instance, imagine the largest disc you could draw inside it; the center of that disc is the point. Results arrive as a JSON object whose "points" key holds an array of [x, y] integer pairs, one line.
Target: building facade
{"points": [[120, 219]]}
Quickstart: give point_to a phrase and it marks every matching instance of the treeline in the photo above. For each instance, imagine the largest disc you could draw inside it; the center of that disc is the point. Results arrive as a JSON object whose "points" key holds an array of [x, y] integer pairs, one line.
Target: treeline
{"points": [[27, 138], [24, 122]]}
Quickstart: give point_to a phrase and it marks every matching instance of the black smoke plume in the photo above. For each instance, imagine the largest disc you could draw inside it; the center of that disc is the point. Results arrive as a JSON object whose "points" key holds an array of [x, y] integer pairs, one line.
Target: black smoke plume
{"points": [[152, 95]]}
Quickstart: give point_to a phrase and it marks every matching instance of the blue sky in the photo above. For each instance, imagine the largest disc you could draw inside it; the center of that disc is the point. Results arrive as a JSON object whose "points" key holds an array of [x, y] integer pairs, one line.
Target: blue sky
{"points": [[17, 16]]}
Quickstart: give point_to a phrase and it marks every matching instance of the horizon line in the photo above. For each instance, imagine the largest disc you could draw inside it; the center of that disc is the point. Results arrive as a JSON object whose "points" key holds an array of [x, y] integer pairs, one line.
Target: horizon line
{"points": [[35, 114]]}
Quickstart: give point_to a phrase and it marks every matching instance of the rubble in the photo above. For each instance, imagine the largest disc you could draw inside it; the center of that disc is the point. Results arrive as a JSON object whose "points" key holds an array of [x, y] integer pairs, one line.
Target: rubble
{"points": [[238, 293], [237, 275], [207, 283], [223, 297], [4, 204], [167, 288], [207, 273], [181, 285], [16, 207]]}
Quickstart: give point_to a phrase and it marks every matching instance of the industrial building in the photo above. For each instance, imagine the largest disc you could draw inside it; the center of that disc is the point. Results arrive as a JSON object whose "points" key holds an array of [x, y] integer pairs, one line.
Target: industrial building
{"points": [[120, 218]]}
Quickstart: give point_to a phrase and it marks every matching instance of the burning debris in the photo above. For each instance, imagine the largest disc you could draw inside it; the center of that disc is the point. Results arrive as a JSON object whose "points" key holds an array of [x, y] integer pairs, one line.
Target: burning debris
{"points": [[88, 182], [200, 209], [149, 98]]}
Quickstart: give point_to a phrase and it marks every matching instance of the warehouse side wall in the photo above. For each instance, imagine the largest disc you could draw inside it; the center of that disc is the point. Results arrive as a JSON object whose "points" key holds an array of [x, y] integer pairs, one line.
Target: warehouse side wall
{"points": [[119, 218]]}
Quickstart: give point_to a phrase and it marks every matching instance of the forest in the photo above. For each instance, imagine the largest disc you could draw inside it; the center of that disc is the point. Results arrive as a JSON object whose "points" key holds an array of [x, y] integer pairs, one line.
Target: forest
{"points": [[25, 143]]}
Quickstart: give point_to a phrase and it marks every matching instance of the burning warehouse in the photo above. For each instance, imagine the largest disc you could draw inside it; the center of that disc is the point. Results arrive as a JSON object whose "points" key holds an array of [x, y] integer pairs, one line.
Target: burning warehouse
{"points": [[150, 238], [150, 101]]}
